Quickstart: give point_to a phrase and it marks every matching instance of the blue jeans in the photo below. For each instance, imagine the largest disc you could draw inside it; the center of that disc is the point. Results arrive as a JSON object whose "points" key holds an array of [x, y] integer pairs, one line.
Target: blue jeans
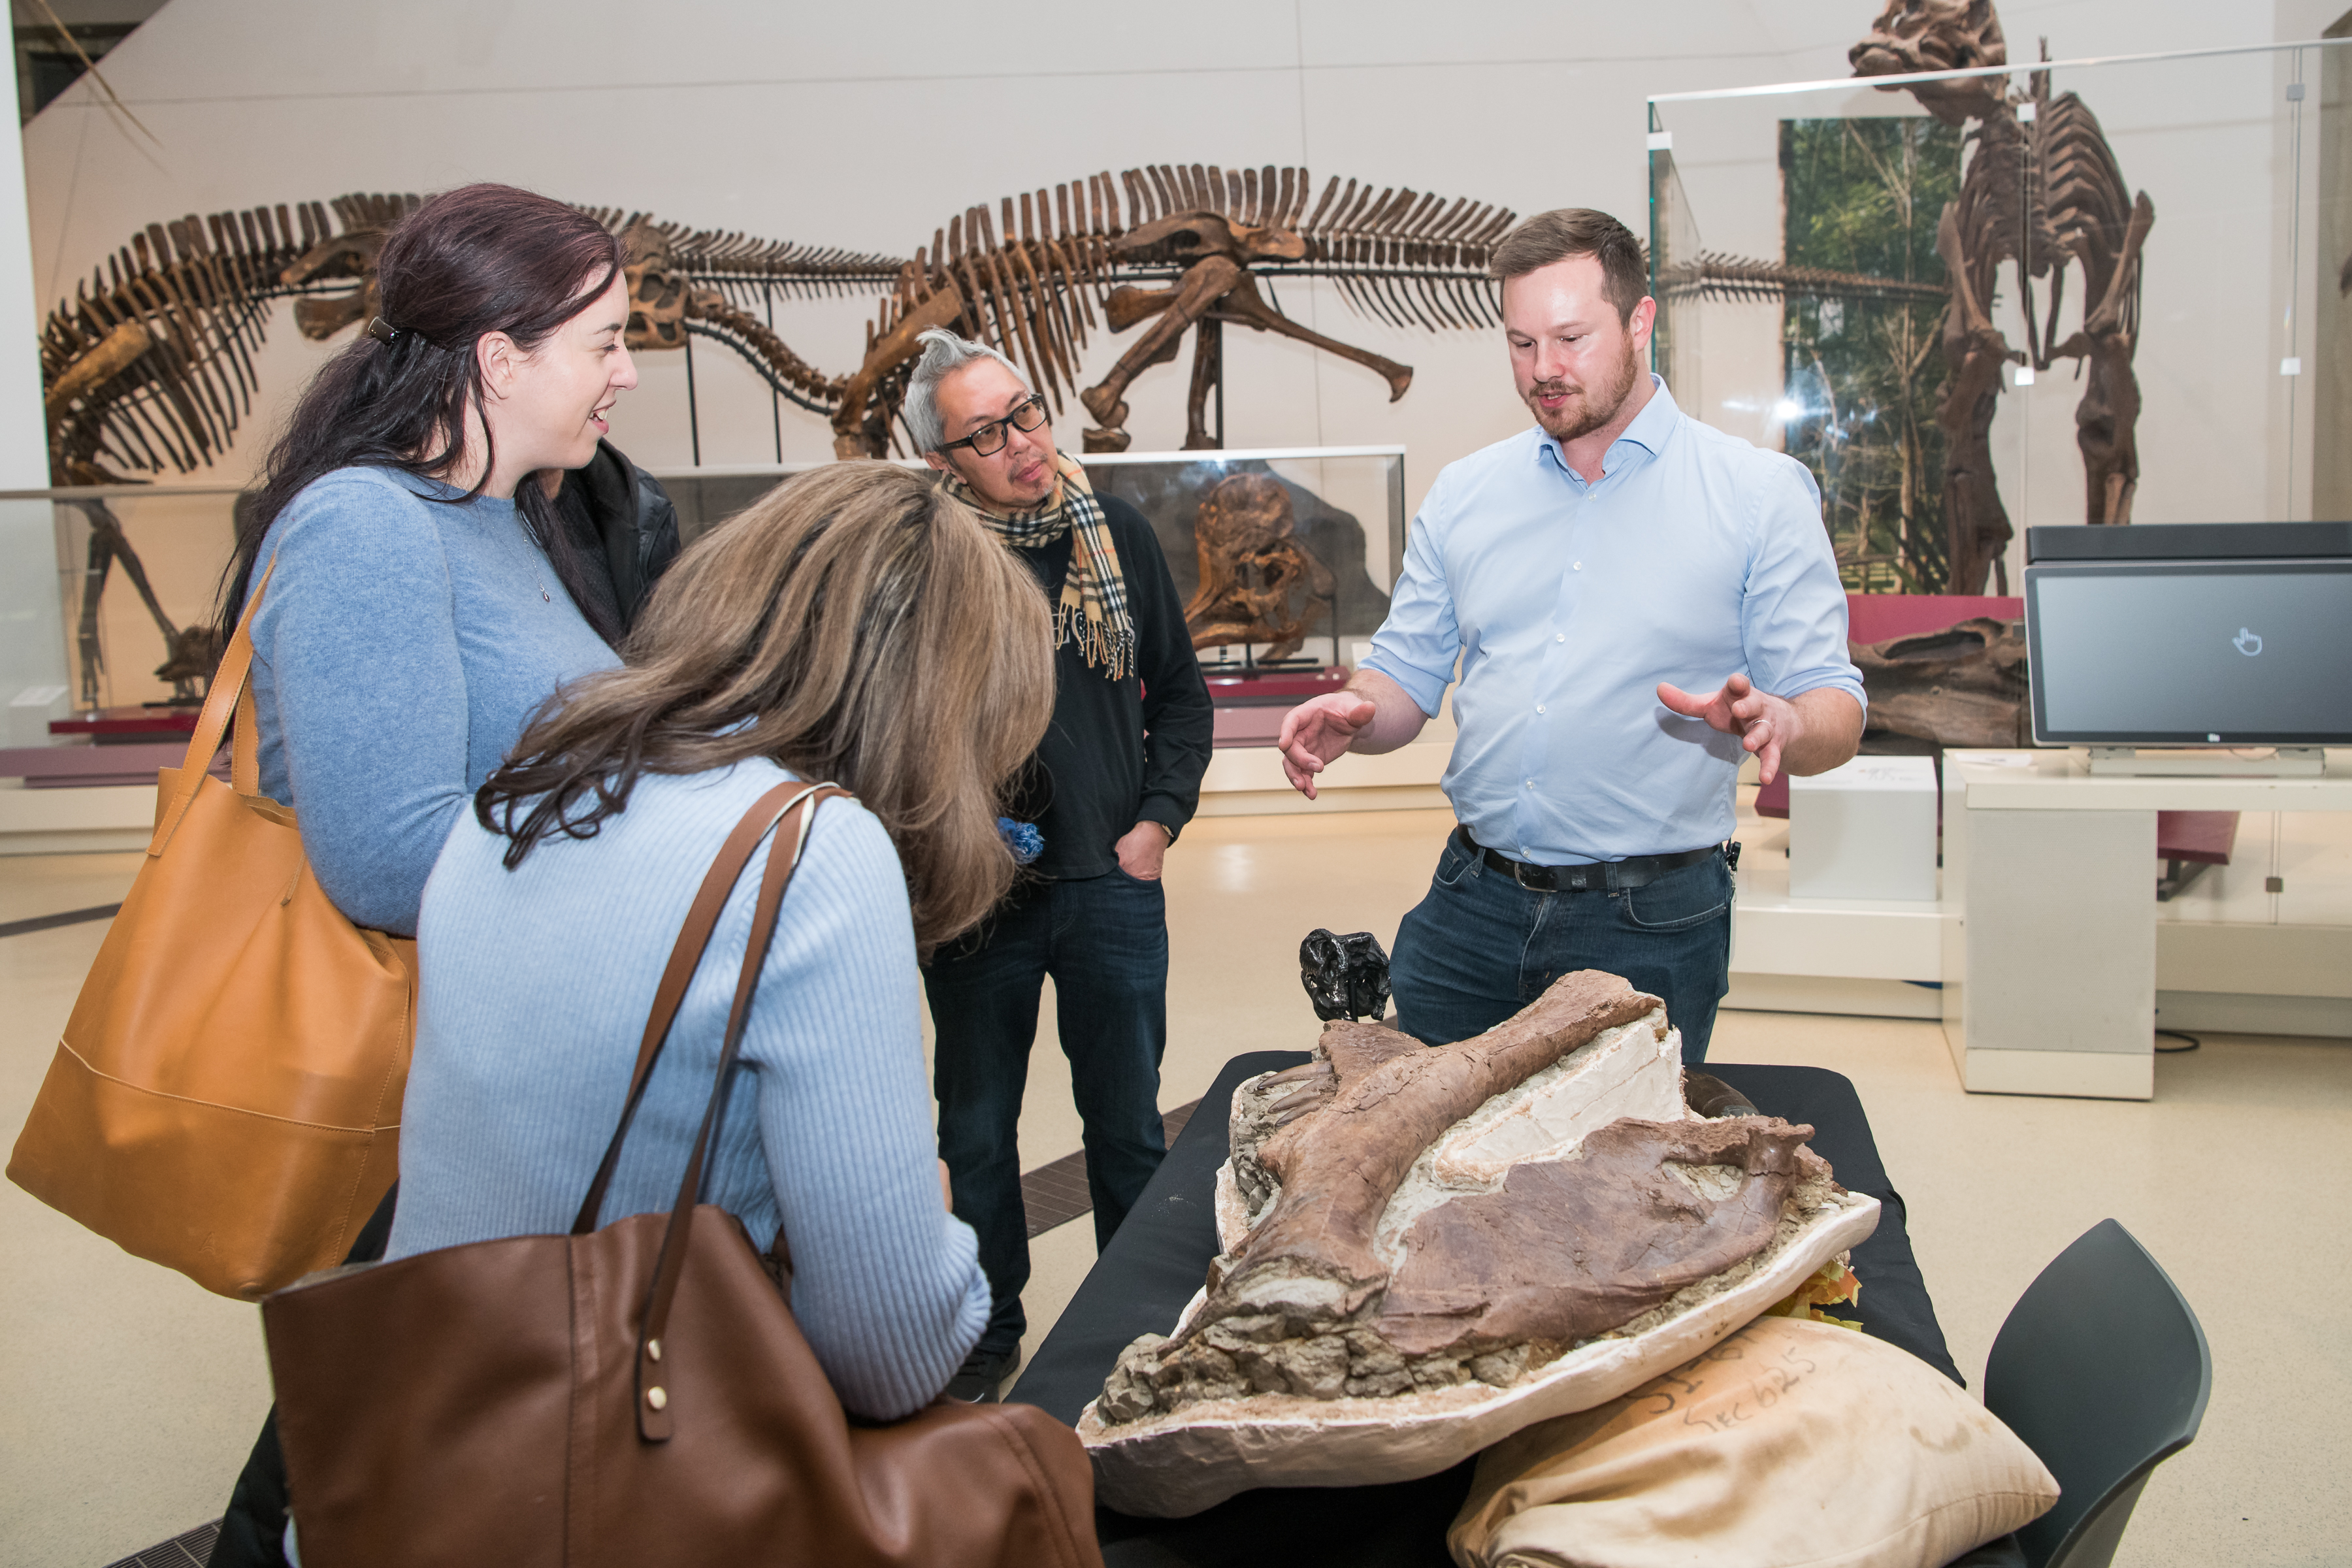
{"points": [[1479, 947], [1105, 941]]}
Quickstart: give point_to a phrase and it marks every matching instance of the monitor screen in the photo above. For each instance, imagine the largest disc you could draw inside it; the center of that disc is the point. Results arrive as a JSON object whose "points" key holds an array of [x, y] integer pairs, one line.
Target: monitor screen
{"points": [[2238, 653]]}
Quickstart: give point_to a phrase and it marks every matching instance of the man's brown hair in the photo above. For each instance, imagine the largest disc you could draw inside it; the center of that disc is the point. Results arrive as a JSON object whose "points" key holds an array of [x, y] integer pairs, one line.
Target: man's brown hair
{"points": [[1564, 232], [856, 624]]}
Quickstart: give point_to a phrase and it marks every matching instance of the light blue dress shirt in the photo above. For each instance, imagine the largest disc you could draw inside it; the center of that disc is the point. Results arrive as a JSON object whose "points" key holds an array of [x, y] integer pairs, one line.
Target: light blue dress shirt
{"points": [[1694, 557]]}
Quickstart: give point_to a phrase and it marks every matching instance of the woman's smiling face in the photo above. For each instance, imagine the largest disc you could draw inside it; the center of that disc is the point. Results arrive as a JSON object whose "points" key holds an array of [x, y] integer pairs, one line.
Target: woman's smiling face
{"points": [[554, 408]]}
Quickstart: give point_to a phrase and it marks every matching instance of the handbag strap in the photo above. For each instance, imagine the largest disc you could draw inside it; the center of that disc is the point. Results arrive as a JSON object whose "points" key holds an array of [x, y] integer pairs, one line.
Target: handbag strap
{"points": [[789, 809], [231, 691]]}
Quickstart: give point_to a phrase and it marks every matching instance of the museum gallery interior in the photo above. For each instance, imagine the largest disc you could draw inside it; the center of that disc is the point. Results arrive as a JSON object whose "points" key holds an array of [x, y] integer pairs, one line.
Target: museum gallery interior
{"points": [[1358, 785]]}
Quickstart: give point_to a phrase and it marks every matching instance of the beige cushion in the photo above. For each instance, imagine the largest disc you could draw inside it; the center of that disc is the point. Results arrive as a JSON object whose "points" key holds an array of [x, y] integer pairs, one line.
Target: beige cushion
{"points": [[1791, 1443]]}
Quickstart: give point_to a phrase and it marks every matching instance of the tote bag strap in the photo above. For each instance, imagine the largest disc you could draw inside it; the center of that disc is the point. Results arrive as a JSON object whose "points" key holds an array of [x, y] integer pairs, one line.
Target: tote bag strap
{"points": [[655, 1414], [231, 691], [686, 956], [789, 809]]}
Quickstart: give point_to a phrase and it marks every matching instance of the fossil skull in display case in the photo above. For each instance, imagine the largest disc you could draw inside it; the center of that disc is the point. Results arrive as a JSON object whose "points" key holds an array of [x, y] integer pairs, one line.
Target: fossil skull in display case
{"points": [[1442, 1246]]}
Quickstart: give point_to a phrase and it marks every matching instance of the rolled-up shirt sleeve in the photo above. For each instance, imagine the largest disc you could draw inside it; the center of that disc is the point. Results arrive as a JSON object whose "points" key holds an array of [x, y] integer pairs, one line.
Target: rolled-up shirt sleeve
{"points": [[1792, 617], [1416, 646]]}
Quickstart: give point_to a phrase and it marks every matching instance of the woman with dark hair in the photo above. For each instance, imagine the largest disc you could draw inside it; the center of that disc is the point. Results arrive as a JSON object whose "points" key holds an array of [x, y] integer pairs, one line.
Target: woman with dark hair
{"points": [[424, 595], [856, 625], [430, 583]]}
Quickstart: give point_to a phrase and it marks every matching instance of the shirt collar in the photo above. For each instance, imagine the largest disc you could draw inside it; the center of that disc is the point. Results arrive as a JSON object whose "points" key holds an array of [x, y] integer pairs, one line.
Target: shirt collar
{"points": [[1650, 429]]}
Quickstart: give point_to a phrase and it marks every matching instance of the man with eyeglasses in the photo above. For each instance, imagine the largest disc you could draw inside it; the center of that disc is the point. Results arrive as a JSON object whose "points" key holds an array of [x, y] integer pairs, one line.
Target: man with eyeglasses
{"points": [[1116, 778]]}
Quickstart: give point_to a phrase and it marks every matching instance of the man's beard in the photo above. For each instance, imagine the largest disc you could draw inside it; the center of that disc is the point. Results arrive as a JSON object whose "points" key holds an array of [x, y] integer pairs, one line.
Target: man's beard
{"points": [[1587, 413]]}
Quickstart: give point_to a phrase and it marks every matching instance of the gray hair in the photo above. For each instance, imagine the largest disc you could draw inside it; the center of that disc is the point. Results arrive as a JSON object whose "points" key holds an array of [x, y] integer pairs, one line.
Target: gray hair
{"points": [[943, 353]]}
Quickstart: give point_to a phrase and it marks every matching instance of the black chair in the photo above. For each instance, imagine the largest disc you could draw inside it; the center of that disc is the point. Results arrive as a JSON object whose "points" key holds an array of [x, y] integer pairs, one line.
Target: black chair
{"points": [[2103, 1370]]}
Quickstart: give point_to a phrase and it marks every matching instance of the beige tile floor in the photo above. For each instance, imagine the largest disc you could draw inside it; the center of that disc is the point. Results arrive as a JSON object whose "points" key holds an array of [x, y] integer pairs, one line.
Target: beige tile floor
{"points": [[134, 1393]]}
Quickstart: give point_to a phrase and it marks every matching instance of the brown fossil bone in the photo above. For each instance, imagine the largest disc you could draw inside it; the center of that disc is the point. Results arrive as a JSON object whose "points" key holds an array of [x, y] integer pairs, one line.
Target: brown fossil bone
{"points": [[1252, 568], [1963, 686], [2040, 191], [1311, 1258], [1430, 1217], [1570, 1248]]}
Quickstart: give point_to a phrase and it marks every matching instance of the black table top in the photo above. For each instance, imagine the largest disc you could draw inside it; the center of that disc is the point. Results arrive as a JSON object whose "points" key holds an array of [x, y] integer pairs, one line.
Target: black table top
{"points": [[1161, 1257]]}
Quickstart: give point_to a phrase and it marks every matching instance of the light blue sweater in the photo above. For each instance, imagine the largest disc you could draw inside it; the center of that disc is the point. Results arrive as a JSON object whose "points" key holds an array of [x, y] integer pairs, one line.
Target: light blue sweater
{"points": [[537, 984], [402, 646]]}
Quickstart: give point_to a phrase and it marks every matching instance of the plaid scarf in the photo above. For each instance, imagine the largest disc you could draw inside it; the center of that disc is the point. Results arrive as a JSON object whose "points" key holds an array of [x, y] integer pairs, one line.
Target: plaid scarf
{"points": [[1093, 607]]}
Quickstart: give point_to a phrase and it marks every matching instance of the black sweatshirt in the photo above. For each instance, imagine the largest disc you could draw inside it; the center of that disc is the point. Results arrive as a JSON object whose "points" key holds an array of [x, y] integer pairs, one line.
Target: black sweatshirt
{"points": [[1117, 753]]}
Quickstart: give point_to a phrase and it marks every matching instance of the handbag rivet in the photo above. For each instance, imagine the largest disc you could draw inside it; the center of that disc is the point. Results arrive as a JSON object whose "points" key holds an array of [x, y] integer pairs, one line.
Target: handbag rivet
{"points": [[652, 1349], [655, 1397]]}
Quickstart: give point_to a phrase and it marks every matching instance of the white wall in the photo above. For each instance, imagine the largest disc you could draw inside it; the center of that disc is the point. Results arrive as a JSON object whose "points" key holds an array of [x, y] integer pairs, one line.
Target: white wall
{"points": [[868, 128]]}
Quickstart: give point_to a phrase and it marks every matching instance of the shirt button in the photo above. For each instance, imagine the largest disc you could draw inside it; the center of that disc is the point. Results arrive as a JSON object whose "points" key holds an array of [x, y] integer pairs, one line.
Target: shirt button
{"points": [[1531, 784], [1561, 637], [1579, 566], [1539, 708]]}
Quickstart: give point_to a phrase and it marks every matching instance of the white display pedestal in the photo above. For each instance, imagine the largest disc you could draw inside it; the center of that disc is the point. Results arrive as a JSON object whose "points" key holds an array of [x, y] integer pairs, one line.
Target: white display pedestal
{"points": [[2050, 975], [1866, 830]]}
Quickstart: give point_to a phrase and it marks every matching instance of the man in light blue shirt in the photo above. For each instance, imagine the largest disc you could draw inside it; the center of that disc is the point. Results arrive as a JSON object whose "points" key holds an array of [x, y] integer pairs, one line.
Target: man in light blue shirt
{"points": [[1635, 601]]}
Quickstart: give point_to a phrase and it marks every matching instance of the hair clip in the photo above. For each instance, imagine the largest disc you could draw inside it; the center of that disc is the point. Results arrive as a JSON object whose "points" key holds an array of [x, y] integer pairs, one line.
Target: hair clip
{"points": [[382, 332]]}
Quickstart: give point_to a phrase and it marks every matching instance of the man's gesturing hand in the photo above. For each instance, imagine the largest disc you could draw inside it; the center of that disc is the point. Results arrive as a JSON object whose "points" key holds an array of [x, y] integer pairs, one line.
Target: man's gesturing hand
{"points": [[1766, 725], [1316, 732]]}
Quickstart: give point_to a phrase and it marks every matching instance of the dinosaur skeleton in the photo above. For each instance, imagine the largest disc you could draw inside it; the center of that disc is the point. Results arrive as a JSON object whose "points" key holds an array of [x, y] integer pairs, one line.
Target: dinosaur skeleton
{"points": [[1209, 236], [149, 368], [1713, 276], [2041, 189]]}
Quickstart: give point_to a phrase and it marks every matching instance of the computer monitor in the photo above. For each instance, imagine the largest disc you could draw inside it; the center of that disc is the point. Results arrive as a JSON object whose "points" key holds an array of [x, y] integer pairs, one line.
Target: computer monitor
{"points": [[2191, 634]]}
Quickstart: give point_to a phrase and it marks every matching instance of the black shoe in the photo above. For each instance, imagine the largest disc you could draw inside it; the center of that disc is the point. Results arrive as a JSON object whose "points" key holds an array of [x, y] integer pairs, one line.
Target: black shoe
{"points": [[982, 1371], [1710, 1096]]}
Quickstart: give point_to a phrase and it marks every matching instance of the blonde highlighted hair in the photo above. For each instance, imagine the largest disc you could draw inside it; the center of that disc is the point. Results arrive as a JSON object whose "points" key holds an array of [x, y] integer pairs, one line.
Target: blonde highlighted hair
{"points": [[856, 624]]}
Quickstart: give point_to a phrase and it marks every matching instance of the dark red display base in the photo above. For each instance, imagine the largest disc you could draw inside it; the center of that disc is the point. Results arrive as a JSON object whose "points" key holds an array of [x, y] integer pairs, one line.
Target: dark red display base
{"points": [[128, 726], [1271, 687]]}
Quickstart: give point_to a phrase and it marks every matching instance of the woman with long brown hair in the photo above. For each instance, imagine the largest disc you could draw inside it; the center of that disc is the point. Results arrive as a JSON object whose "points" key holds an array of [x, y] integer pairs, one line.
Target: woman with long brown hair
{"points": [[856, 625], [424, 594]]}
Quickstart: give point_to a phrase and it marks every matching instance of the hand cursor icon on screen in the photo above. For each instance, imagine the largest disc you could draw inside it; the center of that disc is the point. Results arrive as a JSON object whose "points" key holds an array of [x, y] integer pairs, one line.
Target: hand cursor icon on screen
{"points": [[2246, 643]]}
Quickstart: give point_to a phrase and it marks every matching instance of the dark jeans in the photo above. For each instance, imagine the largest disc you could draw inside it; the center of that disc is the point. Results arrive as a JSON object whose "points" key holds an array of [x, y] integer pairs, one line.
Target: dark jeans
{"points": [[1479, 947], [1105, 942]]}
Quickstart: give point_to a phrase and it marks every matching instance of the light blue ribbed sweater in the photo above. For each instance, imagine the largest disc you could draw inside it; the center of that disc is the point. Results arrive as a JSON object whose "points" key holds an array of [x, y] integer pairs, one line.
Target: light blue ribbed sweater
{"points": [[537, 984], [400, 649]]}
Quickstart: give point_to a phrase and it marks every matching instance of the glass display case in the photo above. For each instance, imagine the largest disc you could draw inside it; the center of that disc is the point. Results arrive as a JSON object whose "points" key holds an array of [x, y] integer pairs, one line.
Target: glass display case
{"points": [[139, 578], [1313, 537], [1316, 533], [2101, 290]]}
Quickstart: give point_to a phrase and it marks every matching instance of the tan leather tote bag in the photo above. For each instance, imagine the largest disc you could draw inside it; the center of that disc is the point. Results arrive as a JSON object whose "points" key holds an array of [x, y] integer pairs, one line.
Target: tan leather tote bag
{"points": [[638, 1393], [225, 1100]]}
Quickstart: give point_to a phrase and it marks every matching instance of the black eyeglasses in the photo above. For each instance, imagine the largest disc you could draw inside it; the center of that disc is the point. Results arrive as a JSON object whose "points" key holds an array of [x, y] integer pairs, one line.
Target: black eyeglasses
{"points": [[989, 439]]}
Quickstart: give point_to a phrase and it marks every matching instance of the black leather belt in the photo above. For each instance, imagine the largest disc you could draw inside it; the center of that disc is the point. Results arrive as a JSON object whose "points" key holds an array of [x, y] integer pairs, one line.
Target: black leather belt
{"points": [[1635, 871]]}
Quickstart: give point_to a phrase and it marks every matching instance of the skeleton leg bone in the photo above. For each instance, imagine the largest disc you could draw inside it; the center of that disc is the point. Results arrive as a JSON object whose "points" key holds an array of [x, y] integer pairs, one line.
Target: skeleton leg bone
{"points": [[1242, 303]]}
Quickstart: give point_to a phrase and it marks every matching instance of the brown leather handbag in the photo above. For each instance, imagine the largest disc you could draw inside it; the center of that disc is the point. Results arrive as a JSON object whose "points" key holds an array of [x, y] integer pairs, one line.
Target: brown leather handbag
{"points": [[225, 1099], [638, 1393]]}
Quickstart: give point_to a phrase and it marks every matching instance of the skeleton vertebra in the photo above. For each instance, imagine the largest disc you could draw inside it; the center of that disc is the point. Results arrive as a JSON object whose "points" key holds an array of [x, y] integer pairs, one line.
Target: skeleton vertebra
{"points": [[2037, 192]]}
